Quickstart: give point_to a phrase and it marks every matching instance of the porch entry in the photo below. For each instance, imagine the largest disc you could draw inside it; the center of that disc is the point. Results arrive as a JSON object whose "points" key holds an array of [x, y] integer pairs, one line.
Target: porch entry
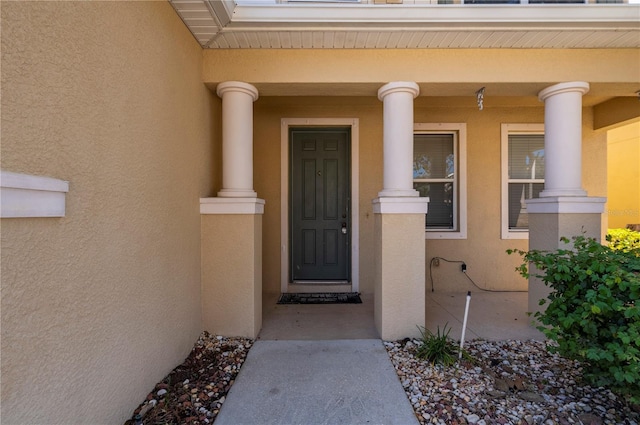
{"points": [[319, 200]]}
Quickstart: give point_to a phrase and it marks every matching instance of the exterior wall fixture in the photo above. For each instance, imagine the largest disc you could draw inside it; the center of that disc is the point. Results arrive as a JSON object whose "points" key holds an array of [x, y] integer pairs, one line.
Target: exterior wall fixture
{"points": [[480, 98]]}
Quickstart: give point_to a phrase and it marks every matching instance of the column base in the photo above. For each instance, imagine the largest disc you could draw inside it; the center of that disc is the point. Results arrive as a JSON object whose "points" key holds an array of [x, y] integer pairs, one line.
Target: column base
{"points": [[401, 205], [566, 205], [237, 193], [547, 193], [231, 206], [393, 193]]}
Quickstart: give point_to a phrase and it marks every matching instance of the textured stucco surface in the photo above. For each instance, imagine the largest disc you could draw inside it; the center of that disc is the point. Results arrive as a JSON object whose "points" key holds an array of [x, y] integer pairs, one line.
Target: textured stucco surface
{"points": [[363, 71], [399, 275], [483, 251], [623, 176], [232, 274], [101, 304], [552, 228]]}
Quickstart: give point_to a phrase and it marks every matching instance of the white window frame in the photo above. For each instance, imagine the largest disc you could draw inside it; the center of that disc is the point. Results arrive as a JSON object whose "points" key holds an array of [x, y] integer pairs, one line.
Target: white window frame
{"points": [[505, 131], [459, 130]]}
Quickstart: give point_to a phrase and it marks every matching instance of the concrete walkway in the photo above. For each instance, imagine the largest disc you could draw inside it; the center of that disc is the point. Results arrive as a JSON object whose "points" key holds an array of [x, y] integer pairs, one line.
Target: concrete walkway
{"points": [[323, 364], [317, 382]]}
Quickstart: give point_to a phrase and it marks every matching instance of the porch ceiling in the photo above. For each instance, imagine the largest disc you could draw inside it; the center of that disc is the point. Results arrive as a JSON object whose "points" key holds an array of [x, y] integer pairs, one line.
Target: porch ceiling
{"points": [[221, 24]]}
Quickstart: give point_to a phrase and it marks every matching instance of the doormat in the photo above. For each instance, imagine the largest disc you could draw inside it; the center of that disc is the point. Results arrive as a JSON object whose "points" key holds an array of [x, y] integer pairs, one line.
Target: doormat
{"points": [[321, 298]]}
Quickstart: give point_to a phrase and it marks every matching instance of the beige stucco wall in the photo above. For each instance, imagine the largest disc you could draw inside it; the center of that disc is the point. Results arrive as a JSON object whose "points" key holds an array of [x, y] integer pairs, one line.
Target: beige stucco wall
{"points": [[399, 280], [232, 274], [268, 112], [483, 250], [552, 228], [444, 72], [101, 304], [623, 174]]}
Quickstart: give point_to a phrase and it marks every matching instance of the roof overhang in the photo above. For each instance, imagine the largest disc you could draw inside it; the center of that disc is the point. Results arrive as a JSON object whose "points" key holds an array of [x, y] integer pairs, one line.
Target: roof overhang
{"points": [[224, 24]]}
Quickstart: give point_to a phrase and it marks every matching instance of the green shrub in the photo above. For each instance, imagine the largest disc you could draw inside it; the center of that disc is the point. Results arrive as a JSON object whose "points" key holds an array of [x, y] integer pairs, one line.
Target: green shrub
{"points": [[624, 240], [437, 348], [593, 312]]}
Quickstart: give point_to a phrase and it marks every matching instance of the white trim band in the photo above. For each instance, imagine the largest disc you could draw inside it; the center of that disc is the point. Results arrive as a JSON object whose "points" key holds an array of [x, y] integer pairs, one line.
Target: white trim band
{"points": [[231, 206], [566, 205], [400, 205], [24, 195]]}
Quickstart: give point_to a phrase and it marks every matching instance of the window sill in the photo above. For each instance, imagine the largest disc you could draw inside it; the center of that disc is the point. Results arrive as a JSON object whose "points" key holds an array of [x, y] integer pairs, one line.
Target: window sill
{"points": [[445, 235], [515, 235], [24, 195]]}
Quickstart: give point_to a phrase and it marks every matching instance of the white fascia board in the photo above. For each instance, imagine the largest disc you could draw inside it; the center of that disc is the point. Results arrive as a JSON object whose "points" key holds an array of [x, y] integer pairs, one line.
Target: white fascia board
{"points": [[24, 195], [222, 11], [325, 16]]}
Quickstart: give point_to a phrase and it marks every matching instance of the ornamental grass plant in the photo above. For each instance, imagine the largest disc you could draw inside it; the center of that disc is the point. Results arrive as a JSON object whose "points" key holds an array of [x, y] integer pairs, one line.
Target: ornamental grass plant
{"points": [[437, 348]]}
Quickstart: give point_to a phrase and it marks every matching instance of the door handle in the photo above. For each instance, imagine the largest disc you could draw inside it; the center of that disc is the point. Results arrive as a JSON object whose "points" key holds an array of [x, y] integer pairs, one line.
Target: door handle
{"points": [[344, 227]]}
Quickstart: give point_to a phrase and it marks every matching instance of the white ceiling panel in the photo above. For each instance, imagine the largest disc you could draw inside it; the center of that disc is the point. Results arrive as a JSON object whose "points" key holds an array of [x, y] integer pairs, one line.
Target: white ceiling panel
{"points": [[418, 40], [339, 39], [621, 38]]}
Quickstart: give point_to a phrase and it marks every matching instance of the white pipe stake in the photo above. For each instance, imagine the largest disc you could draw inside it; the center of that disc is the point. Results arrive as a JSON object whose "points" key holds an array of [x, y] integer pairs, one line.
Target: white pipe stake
{"points": [[464, 323]]}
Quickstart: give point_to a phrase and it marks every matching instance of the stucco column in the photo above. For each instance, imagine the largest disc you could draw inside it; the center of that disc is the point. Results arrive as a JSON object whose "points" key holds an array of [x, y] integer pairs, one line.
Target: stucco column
{"points": [[563, 209], [231, 270], [397, 98], [563, 138], [231, 226], [399, 218], [237, 139]]}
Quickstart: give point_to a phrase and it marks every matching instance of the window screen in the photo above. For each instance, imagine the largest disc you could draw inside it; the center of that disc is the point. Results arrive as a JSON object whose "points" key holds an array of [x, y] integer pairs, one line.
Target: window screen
{"points": [[434, 164], [526, 175]]}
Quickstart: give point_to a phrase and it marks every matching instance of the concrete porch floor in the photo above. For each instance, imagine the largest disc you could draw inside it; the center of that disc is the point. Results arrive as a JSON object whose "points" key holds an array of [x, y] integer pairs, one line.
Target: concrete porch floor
{"points": [[492, 316]]}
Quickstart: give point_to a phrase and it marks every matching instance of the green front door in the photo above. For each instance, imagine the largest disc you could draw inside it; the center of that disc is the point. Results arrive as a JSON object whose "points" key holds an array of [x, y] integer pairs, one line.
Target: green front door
{"points": [[320, 196]]}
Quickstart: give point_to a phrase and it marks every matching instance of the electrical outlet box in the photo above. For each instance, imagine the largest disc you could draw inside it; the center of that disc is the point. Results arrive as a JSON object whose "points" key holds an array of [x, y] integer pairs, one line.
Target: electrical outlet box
{"points": [[436, 262], [463, 268]]}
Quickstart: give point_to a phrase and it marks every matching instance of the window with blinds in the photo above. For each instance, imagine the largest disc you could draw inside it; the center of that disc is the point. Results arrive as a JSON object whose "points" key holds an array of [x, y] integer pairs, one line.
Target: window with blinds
{"points": [[434, 175], [525, 176]]}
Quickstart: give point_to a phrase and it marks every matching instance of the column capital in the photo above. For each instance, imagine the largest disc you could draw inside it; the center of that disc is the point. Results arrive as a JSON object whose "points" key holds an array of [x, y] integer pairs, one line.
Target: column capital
{"points": [[573, 86], [399, 87], [237, 86]]}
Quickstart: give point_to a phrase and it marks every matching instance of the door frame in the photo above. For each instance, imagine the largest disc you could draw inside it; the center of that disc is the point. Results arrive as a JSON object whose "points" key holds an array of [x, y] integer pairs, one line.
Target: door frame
{"points": [[286, 123]]}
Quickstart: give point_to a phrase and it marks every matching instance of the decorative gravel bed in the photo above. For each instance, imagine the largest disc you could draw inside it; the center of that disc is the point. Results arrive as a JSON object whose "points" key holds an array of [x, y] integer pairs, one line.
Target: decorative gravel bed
{"points": [[194, 391], [510, 382]]}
